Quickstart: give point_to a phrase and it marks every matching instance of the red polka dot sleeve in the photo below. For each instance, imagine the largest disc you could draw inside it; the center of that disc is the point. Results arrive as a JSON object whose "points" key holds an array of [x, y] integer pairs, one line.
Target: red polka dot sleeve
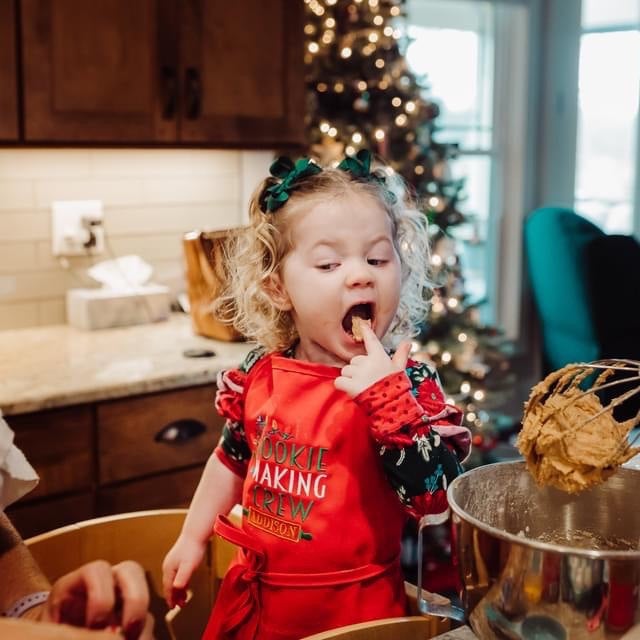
{"points": [[233, 449], [420, 440], [390, 405]]}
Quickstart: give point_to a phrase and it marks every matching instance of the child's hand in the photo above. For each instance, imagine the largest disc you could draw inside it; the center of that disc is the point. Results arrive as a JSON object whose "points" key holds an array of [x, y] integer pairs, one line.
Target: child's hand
{"points": [[178, 567], [363, 371]]}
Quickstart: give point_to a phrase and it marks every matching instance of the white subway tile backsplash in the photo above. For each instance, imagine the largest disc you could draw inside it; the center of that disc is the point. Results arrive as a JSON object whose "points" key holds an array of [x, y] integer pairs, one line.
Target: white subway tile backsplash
{"points": [[34, 286], [8, 286], [154, 247], [43, 164], [164, 219], [21, 256], [52, 311], [16, 194], [219, 188], [170, 273], [18, 226], [254, 169], [45, 260], [168, 162], [151, 197], [110, 191], [18, 315]]}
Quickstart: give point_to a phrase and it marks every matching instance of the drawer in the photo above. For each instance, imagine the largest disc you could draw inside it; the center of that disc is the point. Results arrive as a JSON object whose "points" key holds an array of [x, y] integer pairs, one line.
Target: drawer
{"points": [[31, 519], [58, 443], [156, 432], [164, 491]]}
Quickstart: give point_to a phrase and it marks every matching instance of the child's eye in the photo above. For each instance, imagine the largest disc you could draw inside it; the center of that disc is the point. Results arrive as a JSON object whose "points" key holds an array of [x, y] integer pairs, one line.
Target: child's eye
{"points": [[376, 262], [329, 266]]}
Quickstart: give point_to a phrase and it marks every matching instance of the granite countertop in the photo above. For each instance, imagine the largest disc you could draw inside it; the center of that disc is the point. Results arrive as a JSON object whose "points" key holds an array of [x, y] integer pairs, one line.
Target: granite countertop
{"points": [[58, 365]]}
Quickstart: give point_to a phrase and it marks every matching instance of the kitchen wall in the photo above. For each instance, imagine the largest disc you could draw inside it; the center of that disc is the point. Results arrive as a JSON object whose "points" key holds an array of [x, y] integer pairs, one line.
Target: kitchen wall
{"points": [[150, 198]]}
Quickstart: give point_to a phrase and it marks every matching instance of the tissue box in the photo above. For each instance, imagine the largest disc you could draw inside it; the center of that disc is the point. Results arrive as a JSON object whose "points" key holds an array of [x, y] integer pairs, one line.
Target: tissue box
{"points": [[103, 308]]}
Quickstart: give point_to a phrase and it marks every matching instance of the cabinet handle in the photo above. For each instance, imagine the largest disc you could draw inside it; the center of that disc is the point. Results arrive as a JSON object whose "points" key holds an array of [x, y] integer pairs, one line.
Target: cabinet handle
{"points": [[169, 92], [180, 431], [193, 92]]}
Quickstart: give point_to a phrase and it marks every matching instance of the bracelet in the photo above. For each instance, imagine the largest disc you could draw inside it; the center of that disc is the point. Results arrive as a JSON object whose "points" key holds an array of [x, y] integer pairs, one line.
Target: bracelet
{"points": [[24, 604]]}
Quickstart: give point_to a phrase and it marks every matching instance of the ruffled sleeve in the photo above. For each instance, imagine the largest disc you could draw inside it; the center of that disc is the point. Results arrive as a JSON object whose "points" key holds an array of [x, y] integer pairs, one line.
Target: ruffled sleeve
{"points": [[233, 449], [229, 394], [419, 436]]}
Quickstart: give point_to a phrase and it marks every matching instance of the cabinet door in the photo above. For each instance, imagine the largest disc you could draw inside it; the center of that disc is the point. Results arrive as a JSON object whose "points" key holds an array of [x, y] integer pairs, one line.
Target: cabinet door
{"points": [[99, 71], [32, 518], [8, 84], [242, 72], [172, 429], [160, 491], [59, 445]]}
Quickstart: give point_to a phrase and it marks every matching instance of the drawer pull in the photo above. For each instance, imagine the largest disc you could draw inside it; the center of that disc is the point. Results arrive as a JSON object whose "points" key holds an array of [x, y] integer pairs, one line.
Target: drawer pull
{"points": [[193, 91], [169, 92], [180, 431]]}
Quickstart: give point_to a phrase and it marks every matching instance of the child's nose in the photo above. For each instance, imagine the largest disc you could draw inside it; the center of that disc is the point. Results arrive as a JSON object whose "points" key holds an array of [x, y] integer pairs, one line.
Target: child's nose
{"points": [[359, 275]]}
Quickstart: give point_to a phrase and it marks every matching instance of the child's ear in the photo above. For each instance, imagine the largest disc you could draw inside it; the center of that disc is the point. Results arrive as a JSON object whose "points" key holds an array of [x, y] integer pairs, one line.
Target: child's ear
{"points": [[275, 289]]}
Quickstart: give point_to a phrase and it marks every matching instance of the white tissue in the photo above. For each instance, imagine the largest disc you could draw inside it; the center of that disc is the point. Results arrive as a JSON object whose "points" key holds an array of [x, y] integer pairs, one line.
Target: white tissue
{"points": [[126, 273], [126, 296]]}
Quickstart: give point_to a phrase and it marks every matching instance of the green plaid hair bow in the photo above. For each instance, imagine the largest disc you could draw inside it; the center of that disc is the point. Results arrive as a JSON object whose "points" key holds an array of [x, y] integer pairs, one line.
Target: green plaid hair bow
{"points": [[275, 195], [284, 168], [359, 166]]}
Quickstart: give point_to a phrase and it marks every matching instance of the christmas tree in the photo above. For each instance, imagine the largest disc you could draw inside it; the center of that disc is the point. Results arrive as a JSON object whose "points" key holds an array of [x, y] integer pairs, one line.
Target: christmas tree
{"points": [[362, 94]]}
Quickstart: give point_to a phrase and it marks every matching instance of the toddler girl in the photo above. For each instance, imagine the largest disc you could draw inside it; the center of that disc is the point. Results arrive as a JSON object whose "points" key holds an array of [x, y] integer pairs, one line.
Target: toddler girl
{"points": [[330, 442]]}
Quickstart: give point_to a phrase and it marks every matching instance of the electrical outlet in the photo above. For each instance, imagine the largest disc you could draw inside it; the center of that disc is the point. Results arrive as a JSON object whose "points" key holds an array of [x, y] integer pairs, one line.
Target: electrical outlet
{"points": [[77, 228]]}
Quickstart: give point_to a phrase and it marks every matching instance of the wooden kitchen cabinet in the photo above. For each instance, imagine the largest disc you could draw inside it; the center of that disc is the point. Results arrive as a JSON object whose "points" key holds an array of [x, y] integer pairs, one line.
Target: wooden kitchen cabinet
{"points": [[114, 456], [176, 491], [59, 444], [156, 432], [92, 71], [206, 72], [8, 73], [242, 71], [31, 517]]}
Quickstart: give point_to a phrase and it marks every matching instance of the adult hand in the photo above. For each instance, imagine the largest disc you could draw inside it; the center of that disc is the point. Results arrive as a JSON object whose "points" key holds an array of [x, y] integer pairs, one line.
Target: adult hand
{"points": [[99, 596], [178, 567], [363, 371]]}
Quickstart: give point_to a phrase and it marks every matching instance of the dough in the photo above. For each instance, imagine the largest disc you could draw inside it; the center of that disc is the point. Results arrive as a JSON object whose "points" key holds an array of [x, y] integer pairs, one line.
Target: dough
{"points": [[356, 324], [562, 447]]}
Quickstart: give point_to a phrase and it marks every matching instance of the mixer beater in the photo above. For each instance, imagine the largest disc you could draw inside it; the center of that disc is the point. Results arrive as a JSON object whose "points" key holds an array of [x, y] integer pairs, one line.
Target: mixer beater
{"points": [[570, 437]]}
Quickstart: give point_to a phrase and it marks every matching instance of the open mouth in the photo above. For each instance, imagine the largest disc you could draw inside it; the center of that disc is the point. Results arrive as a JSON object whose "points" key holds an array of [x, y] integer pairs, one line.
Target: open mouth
{"points": [[363, 311]]}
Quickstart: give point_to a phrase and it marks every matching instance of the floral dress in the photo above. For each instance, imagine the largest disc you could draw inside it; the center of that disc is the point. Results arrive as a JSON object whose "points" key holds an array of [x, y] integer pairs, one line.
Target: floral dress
{"points": [[328, 484]]}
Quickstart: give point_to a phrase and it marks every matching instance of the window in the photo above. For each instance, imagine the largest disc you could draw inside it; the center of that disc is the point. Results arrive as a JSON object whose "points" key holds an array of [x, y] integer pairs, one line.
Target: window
{"points": [[473, 54], [608, 94], [451, 45]]}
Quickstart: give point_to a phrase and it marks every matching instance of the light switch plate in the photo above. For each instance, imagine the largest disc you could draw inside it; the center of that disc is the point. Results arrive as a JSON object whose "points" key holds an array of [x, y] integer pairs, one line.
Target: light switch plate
{"points": [[77, 228]]}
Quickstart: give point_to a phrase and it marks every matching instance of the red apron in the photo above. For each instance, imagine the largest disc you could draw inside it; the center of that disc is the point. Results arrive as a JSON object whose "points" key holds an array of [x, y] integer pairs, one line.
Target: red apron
{"points": [[321, 530]]}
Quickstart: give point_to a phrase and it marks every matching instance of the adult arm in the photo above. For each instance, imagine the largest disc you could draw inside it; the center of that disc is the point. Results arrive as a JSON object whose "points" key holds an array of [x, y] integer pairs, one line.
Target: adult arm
{"points": [[96, 595]]}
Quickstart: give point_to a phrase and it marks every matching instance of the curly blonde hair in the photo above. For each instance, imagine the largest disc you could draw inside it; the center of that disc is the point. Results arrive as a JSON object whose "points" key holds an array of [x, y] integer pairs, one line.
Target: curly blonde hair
{"points": [[258, 252]]}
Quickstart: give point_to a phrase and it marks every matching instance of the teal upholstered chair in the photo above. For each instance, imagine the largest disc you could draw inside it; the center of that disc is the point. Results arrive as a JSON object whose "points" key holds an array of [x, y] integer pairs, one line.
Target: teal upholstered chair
{"points": [[556, 240]]}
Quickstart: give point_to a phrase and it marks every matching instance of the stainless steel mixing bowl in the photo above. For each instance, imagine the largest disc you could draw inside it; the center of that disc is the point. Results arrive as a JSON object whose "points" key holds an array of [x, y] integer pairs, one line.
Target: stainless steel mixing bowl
{"points": [[537, 563]]}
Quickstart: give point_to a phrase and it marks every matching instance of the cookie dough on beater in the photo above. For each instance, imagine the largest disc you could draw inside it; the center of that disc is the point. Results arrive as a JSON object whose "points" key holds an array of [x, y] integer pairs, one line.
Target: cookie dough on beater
{"points": [[569, 439]]}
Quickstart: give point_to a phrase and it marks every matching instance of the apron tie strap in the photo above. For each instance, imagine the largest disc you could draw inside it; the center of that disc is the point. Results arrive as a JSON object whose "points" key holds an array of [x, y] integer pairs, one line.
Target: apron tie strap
{"points": [[238, 601]]}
